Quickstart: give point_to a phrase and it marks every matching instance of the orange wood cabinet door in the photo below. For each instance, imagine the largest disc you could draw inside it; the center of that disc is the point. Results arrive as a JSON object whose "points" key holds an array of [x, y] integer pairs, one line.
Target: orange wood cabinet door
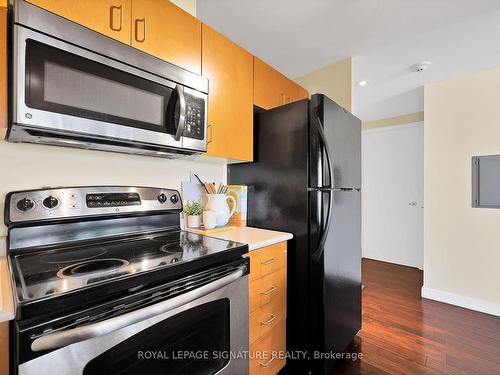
{"points": [[272, 89], [229, 69], [164, 30], [3, 72], [108, 17], [268, 90], [4, 348]]}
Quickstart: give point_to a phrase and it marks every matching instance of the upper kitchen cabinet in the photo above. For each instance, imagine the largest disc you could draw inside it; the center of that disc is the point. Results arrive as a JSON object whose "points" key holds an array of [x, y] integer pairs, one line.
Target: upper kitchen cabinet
{"points": [[108, 17], [272, 89], [229, 69], [168, 32]]}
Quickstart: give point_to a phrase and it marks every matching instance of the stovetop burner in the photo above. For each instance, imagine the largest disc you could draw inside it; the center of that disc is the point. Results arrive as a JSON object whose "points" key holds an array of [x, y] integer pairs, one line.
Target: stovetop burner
{"points": [[109, 265], [72, 256]]}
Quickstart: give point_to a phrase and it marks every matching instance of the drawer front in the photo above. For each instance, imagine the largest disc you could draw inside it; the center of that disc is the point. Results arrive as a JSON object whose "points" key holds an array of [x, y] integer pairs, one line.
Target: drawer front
{"points": [[267, 290], [267, 260], [264, 319], [262, 362]]}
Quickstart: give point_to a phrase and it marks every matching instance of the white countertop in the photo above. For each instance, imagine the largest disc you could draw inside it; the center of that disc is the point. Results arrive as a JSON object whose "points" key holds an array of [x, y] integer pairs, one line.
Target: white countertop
{"points": [[6, 301], [255, 238]]}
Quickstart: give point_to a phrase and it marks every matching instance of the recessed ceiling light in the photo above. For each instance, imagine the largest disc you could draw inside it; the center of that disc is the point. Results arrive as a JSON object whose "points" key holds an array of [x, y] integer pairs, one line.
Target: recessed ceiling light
{"points": [[362, 83]]}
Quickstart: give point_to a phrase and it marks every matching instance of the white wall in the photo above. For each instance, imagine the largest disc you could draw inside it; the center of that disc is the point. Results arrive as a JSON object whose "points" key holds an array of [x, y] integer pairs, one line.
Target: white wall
{"points": [[461, 244], [392, 160], [26, 166]]}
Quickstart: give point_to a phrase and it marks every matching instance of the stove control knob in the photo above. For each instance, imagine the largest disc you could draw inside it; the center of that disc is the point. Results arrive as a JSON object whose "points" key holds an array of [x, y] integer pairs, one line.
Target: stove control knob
{"points": [[51, 202], [174, 198], [162, 198], [25, 204]]}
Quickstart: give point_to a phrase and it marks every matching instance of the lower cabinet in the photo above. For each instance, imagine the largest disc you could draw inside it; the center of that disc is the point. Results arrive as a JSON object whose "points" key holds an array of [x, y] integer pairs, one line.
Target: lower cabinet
{"points": [[4, 347], [267, 307]]}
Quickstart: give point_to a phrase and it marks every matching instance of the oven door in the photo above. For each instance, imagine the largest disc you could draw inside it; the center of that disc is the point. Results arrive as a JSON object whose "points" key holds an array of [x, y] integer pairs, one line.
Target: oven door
{"points": [[70, 91], [200, 336]]}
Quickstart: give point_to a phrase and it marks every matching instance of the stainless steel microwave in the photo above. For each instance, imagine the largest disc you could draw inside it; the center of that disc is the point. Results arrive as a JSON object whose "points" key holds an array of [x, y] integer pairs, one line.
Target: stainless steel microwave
{"points": [[71, 86]]}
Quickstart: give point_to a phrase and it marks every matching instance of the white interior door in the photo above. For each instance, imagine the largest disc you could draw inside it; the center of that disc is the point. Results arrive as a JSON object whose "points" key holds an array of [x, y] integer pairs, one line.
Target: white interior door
{"points": [[392, 195]]}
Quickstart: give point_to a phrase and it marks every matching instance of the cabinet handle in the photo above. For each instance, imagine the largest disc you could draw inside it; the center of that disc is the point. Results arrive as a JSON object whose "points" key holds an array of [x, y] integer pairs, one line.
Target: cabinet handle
{"points": [[269, 321], [137, 21], [269, 291], [288, 99], [268, 362], [112, 17], [282, 99], [268, 262], [209, 138]]}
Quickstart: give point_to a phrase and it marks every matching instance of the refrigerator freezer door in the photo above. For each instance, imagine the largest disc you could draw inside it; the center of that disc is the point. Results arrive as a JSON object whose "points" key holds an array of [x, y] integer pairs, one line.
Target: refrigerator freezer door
{"points": [[343, 134]]}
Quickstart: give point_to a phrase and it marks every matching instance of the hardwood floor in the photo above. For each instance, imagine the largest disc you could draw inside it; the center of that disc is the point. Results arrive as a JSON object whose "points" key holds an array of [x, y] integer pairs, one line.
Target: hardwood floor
{"points": [[405, 334]]}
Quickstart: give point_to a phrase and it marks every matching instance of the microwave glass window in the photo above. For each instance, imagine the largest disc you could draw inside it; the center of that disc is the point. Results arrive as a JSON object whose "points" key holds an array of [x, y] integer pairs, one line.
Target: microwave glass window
{"points": [[61, 82], [78, 89]]}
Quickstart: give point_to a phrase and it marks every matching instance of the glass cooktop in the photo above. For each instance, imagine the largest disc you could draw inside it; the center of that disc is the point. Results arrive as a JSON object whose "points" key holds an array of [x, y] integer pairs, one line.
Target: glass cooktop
{"points": [[51, 272]]}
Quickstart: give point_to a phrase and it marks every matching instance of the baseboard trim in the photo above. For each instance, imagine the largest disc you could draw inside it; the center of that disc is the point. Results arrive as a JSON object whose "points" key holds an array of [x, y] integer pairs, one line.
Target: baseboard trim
{"points": [[462, 301]]}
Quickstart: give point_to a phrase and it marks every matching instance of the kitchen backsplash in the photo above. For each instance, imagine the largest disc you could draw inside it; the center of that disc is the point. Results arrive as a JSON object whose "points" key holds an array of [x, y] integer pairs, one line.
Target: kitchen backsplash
{"points": [[28, 166]]}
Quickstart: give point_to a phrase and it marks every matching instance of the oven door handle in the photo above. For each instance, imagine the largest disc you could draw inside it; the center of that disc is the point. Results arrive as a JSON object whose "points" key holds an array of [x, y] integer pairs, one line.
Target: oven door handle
{"points": [[86, 332], [181, 124]]}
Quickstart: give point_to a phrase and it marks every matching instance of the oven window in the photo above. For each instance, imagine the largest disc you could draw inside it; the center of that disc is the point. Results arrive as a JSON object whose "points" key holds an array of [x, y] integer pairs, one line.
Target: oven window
{"points": [[192, 342], [61, 82]]}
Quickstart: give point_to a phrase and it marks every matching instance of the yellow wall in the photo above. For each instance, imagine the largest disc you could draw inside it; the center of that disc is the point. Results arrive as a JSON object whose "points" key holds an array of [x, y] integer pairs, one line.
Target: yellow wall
{"points": [[334, 80], [188, 5], [399, 120], [461, 244]]}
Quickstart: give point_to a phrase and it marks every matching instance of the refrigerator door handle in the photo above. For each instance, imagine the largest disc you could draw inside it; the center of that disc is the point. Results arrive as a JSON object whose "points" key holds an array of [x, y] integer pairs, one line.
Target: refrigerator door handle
{"points": [[321, 246], [321, 132]]}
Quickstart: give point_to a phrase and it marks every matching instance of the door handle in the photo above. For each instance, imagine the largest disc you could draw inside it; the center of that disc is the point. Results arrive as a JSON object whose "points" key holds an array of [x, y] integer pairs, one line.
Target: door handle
{"points": [[329, 162], [268, 262], [269, 321], [136, 33], [63, 338], [269, 291], [268, 362], [321, 246], [181, 124], [209, 138], [112, 10]]}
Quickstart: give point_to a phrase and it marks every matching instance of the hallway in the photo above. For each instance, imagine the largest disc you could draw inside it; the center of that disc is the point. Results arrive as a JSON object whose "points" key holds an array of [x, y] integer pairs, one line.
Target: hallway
{"points": [[405, 334]]}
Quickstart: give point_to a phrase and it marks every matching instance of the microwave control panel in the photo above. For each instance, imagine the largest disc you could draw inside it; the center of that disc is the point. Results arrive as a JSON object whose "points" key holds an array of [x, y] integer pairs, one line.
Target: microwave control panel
{"points": [[195, 117]]}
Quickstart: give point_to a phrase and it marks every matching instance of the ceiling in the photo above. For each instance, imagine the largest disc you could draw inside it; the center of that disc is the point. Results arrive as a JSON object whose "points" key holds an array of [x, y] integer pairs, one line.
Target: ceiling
{"points": [[384, 37]]}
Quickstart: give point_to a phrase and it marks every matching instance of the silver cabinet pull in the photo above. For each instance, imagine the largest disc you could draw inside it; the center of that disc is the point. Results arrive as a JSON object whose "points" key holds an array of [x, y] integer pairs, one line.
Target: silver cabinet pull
{"points": [[136, 33], [269, 321], [412, 203], [59, 339], [268, 362], [268, 262], [269, 291], [209, 127], [112, 17]]}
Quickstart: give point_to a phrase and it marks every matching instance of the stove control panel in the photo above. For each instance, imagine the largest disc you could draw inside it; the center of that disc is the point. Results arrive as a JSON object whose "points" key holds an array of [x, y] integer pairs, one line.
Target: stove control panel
{"points": [[80, 202]]}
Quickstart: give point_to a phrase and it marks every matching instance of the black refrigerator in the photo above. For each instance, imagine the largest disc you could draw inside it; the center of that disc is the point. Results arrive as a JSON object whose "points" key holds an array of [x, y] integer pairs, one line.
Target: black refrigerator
{"points": [[306, 179]]}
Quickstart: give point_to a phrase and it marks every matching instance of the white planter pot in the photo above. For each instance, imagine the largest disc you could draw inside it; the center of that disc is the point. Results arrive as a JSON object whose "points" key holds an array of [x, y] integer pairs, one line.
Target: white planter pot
{"points": [[193, 221]]}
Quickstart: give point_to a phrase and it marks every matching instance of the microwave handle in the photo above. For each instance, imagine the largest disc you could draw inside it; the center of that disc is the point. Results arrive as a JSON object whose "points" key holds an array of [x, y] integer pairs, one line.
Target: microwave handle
{"points": [[181, 124], [86, 332]]}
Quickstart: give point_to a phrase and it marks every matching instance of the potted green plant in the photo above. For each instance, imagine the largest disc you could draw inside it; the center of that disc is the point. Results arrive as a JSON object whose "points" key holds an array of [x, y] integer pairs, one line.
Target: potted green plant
{"points": [[193, 210]]}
